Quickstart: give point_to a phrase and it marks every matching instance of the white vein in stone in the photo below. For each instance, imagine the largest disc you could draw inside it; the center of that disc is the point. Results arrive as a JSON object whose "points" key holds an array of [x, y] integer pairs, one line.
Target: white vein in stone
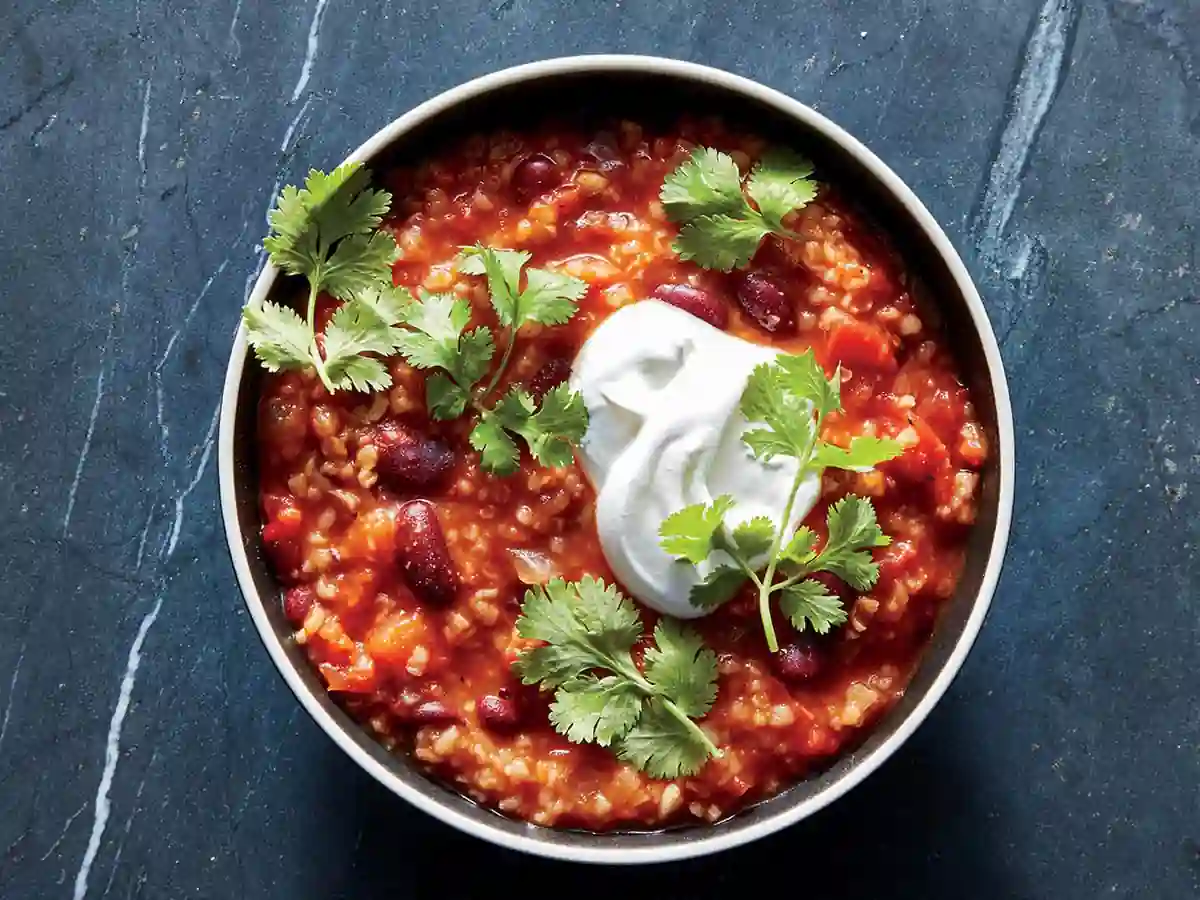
{"points": [[63, 834], [159, 404], [141, 146], [12, 692], [141, 550], [137, 805], [291, 129], [1041, 68], [310, 54], [181, 500], [87, 438], [112, 752], [233, 24]]}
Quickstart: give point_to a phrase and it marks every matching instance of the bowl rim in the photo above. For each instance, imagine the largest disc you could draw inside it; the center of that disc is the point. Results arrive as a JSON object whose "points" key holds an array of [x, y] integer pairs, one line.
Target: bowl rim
{"points": [[689, 844]]}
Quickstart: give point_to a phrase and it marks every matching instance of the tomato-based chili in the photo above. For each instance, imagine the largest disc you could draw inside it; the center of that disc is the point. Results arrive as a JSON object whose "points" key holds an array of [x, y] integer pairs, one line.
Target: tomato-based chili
{"points": [[408, 610]]}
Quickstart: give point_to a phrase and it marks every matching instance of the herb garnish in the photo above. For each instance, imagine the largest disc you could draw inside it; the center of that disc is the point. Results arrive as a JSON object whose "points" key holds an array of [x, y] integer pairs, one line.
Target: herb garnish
{"points": [[600, 695], [720, 228], [437, 340], [327, 232], [789, 399]]}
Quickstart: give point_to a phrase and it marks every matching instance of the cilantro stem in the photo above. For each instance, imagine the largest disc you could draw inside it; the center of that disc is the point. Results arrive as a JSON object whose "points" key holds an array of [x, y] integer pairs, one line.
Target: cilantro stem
{"points": [[313, 349], [764, 587], [624, 666], [495, 379]]}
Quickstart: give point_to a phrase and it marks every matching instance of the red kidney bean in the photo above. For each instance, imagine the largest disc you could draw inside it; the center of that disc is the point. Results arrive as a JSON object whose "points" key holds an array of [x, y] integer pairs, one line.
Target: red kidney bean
{"points": [[498, 713], [552, 373], [422, 554], [408, 460], [533, 176], [764, 301], [697, 301], [799, 661], [432, 712], [297, 601], [604, 151]]}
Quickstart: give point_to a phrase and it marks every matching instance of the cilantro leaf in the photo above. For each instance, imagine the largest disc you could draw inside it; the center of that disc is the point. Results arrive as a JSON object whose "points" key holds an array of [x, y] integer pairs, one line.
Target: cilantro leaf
{"points": [[853, 531], [600, 696], [498, 452], [444, 398], [808, 603], [799, 548], [708, 183], [662, 746], [326, 231], [801, 375], [586, 625], [779, 184], [719, 228], [588, 709], [549, 297], [360, 373], [435, 340], [551, 431], [718, 588], [555, 429], [692, 532], [790, 427], [355, 328], [754, 537], [720, 242], [682, 668], [503, 271], [358, 263], [280, 337], [864, 454]]}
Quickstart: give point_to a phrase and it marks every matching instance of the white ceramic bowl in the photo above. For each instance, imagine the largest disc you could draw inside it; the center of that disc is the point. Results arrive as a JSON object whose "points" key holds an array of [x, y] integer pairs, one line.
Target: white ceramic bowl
{"points": [[637, 86]]}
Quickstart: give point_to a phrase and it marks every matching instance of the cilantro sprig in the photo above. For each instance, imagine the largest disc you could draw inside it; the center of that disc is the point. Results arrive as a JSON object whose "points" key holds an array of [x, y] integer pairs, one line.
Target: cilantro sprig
{"points": [[600, 695], [327, 232], [786, 402], [437, 339], [720, 228]]}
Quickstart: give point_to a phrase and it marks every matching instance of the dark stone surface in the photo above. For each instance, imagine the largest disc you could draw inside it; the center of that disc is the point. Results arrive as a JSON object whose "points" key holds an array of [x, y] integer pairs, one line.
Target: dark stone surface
{"points": [[1058, 142]]}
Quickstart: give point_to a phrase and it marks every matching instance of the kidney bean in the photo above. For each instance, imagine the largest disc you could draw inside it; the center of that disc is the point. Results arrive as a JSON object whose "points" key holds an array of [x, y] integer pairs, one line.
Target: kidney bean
{"points": [[297, 602], [432, 712], [422, 554], [408, 460], [498, 713], [552, 373], [799, 661], [697, 301], [533, 176], [764, 301]]}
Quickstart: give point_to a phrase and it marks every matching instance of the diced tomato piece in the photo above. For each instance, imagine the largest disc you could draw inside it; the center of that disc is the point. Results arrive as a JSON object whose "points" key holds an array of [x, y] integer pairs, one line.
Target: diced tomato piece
{"points": [[358, 678], [922, 460], [395, 637], [861, 345], [896, 559]]}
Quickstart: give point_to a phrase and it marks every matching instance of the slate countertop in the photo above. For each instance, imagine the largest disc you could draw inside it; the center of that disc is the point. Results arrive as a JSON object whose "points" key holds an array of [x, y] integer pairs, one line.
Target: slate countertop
{"points": [[147, 747]]}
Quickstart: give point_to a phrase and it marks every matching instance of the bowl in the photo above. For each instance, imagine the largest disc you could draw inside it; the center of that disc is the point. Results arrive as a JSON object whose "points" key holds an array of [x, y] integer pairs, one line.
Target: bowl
{"points": [[635, 86]]}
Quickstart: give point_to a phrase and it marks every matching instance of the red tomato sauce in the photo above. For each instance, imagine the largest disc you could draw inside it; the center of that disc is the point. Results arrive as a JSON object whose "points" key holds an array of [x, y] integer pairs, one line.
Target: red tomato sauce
{"points": [[428, 670]]}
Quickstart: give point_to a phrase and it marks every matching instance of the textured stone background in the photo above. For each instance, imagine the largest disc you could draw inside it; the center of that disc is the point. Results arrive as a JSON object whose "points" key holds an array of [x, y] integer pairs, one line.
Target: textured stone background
{"points": [[148, 749]]}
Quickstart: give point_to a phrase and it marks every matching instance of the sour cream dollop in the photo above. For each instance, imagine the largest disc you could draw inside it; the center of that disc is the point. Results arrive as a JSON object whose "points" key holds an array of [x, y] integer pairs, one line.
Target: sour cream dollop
{"points": [[662, 390]]}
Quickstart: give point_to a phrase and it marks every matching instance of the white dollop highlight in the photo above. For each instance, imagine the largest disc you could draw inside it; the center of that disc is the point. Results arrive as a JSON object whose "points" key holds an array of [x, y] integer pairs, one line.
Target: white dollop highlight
{"points": [[662, 390]]}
